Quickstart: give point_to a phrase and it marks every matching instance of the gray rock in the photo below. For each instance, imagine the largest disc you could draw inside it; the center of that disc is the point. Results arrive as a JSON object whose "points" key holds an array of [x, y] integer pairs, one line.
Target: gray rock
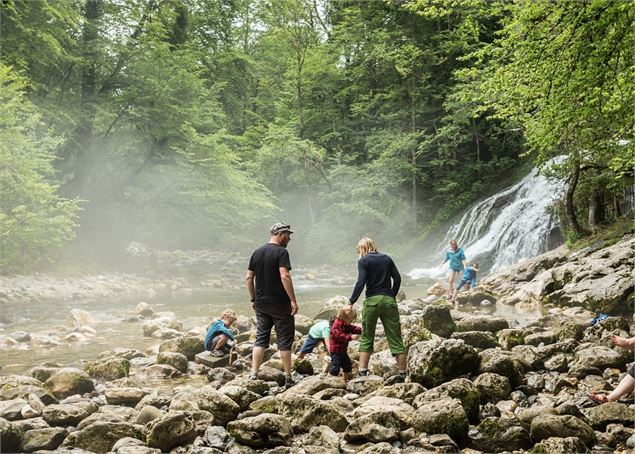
{"points": [[312, 385], [544, 337], [323, 436], [176, 360], [558, 445], [68, 414], [492, 387], [221, 406], [125, 396], [612, 412], [100, 437], [459, 388], [380, 404], [221, 375], [364, 385], [68, 381], [10, 436], [437, 319], [305, 412], [43, 439], [42, 373], [374, 427], [546, 426], [187, 345], [12, 409], [263, 431], [558, 363], [406, 392], [216, 437], [500, 434], [477, 339], [31, 424], [601, 357], [20, 386], [151, 327], [434, 362], [502, 363], [170, 430], [108, 369], [445, 416], [147, 414], [154, 399], [481, 323], [241, 396], [509, 338], [303, 324]]}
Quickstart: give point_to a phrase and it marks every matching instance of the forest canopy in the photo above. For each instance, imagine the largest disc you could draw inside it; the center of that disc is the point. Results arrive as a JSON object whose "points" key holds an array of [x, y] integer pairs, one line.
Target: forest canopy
{"points": [[198, 123]]}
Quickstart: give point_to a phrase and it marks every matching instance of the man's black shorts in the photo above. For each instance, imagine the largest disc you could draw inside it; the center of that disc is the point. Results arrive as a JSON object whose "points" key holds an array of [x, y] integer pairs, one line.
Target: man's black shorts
{"points": [[276, 315]]}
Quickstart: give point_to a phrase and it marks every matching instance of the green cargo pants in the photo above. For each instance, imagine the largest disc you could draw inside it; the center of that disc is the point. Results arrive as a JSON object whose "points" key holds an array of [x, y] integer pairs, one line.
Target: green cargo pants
{"points": [[384, 308]]}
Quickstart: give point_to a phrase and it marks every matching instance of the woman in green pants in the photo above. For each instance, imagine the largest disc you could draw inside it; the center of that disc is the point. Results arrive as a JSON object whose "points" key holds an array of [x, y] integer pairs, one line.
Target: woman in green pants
{"points": [[378, 273]]}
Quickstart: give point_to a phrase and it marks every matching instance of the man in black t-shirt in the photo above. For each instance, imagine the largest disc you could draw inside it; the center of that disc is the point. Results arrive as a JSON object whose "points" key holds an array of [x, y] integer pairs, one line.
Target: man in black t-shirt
{"points": [[273, 298]]}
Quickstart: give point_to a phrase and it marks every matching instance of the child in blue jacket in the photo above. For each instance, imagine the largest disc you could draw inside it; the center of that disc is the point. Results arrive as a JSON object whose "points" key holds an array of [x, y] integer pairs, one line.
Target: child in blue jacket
{"points": [[468, 279], [219, 338]]}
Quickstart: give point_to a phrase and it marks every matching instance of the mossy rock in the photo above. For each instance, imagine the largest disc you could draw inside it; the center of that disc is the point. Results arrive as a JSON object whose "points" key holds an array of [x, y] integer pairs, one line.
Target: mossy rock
{"points": [[460, 388], [108, 369], [436, 319], [500, 434], [435, 362], [68, 381], [511, 337], [442, 416], [187, 345]]}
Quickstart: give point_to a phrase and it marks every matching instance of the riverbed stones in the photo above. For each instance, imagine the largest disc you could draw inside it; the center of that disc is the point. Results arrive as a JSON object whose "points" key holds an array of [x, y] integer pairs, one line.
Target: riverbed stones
{"points": [[437, 319], [20, 386], [460, 388], [170, 430], [481, 323], [10, 436], [442, 416], [125, 395], [500, 434], [379, 404], [374, 427], [314, 384], [108, 369], [364, 385], [546, 426], [221, 406], [43, 439], [12, 409], [406, 392], [435, 362], [174, 359], [502, 363], [262, 431], [304, 412], [322, 436], [612, 412], [477, 339], [492, 387], [100, 437], [558, 445], [68, 414], [186, 345], [68, 381]]}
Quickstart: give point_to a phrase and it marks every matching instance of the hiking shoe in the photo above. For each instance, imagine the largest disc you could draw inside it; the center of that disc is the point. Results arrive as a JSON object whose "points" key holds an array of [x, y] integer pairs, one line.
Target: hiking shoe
{"points": [[395, 379], [253, 377], [217, 353], [362, 373], [289, 382]]}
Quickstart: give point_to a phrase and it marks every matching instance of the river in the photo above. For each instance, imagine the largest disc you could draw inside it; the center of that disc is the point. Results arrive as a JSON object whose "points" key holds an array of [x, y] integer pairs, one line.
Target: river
{"points": [[192, 309]]}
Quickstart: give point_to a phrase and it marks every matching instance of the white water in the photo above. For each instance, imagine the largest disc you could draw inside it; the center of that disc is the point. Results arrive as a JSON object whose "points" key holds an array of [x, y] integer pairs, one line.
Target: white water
{"points": [[508, 227]]}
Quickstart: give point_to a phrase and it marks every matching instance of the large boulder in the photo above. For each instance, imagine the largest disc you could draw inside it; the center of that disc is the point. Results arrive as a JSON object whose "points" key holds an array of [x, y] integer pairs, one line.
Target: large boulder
{"points": [[434, 362], [481, 323], [509, 338], [379, 404], [442, 416], [43, 439], [558, 445], [100, 437], [330, 307], [406, 392], [12, 409], [221, 406], [314, 384], [500, 434], [612, 412], [243, 397], [437, 319], [304, 412], [502, 363], [20, 386], [10, 436], [364, 385], [374, 427], [151, 327], [108, 369], [68, 381], [170, 430], [68, 414], [322, 436], [492, 387], [125, 396], [477, 339], [262, 431], [186, 345], [174, 359], [460, 388], [545, 426], [601, 357]]}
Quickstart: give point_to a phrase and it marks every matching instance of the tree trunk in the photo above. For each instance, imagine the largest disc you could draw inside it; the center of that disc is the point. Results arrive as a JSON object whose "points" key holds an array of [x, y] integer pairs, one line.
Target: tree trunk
{"points": [[572, 220], [413, 157]]}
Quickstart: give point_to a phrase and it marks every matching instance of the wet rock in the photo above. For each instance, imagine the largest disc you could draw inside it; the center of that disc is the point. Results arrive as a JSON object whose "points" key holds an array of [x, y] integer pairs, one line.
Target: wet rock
{"points": [[492, 387], [125, 396], [222, 407], [100, 437], [12, 409], [31, 424], [612, 412], [500, 434], [509, 338], [437, 319], [406, 392], [263, 431], [151, 327], [220, 375], [120, 352], [502, 363], [314, 384], [68, 381], [172, 429], [305, 412], [476, 296], [216, 437], [42, 373], [435, 362], [477, 339], [154, 399], [445, 416], [20, 386], [68, 414], [481, 323], [557, 445], [10, 436], [546, 426], [187, 345], [161, 371], [322, 436], [79, 318], [375, 428], [143, 309], [176, 360], [460, 388], [241, 396], [47, 439], [109, 369]]}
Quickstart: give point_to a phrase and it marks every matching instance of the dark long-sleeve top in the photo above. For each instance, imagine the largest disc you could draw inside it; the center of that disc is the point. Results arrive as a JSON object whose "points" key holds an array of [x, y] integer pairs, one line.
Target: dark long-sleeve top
{"points": [[341, 335], [375, 271]]}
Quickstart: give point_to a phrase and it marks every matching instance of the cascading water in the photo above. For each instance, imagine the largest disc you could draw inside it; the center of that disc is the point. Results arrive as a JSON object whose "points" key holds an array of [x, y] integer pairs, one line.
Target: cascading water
{"points": [[508, 227]]}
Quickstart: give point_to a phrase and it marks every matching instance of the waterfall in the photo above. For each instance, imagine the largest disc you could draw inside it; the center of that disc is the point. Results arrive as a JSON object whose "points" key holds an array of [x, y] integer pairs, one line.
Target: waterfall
{"points": [[506, 228]]}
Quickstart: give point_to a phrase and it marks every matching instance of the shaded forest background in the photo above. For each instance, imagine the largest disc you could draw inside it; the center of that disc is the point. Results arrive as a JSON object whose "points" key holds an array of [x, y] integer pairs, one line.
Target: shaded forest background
{"points": [[198, 123]]}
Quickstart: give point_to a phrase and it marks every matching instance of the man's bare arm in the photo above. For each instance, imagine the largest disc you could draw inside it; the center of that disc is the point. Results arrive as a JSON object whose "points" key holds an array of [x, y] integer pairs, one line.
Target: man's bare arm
{"points": [[287, 283], [250, 287]]}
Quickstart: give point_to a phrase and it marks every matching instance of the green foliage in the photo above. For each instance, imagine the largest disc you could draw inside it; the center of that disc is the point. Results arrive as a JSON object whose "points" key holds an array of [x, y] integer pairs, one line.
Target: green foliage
{"points": [[34, 221]]}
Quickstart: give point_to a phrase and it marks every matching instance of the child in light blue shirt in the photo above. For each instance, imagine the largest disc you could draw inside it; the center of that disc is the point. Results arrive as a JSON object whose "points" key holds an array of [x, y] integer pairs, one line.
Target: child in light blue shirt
{"points": [[468, 279]]}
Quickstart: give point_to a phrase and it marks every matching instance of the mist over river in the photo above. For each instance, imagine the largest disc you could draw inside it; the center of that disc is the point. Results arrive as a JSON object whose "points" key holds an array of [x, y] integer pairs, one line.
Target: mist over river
{"points": [[194, 310]]}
